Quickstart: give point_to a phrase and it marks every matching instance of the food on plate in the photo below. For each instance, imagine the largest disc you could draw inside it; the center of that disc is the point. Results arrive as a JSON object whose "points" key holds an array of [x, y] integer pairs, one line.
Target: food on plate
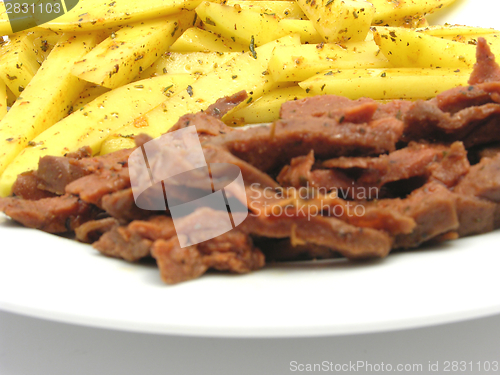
{"points": [[340, 21], [91, 88], [46, 99], [221, 48], [119, 59], [404, 83], [376, 177]]}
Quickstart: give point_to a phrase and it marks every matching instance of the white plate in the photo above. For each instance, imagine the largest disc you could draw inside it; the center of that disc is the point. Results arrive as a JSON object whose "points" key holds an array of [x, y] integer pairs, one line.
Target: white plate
{"points": [[55, 278]]}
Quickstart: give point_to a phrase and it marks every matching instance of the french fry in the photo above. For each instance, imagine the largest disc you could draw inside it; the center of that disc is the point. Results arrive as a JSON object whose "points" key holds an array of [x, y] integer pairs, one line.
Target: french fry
{"points": [[305, 28], [3, 99], [297, 63], [282, 9], [5, 28], [231, 46], [18, 62], [265, 108], [90, 15], [11, 98], [247, 27], [189, 63], [390, 83], [339, 21], [46, 99], [404, 13], [242, 26], [90, 125], [130, 50], [408, 48], [198, 40], [465, 34], [451, 31], [89, 93], [43, 42], [245, 72]]}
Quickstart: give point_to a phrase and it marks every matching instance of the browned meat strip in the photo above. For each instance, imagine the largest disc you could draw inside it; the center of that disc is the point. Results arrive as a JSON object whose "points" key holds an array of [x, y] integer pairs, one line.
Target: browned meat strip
{"points": [[336, 107], [120, 243], [395, 108], [485, 69], [91, 231], [426, 121], [92, 188], [155, 228], [298, 173], [134, 241], [483, 180], [302, 205], [452, 166], [350, 241], [358, 111], [250, 173], [475, 215], [432, 207], [121, 205], [335, 179], [55, 172], [446, 164], [26, 186], [268, 148], [232, 251], [54, 215]]}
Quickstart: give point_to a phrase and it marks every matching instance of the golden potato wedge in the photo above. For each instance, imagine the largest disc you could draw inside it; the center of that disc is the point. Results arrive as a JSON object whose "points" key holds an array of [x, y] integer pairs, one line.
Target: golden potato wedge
{"points": [[11, 98], [5, 28], [408, 48], [3, 99], [465, 34], [404, 13], [339, 21], [242, 26], [305, 28], [247, 71], [46, 99], [282, 9], [90, 15], [189, 63], [450, 31], [18, 62], [247, 27], [43, 41], [119, 59], [90, 125], [297, 63], [265, 108], [89, 93], [390, 83], [195, 39]]}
